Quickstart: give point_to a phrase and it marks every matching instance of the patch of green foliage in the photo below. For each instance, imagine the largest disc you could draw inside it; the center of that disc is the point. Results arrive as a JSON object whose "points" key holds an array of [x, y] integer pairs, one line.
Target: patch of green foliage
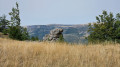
{"points": [[34, 38], [61, 39], [107, 28]]}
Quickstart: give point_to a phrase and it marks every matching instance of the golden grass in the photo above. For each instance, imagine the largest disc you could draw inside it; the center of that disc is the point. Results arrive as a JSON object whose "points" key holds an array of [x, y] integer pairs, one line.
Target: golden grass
{"points": [[41, 54]]}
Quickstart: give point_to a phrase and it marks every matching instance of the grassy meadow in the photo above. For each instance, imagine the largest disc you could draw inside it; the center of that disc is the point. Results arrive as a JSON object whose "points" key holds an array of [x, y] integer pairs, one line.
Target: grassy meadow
{"points": [[42, 54]]}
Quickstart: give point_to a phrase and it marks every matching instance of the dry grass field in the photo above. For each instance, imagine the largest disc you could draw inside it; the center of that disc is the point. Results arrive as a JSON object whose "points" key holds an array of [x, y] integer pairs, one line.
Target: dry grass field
{"points": [[42, 54]]}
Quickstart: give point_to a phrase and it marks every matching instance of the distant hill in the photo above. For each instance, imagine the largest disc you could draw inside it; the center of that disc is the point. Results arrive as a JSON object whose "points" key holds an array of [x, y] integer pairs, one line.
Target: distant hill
{"points": [[72, 33]]}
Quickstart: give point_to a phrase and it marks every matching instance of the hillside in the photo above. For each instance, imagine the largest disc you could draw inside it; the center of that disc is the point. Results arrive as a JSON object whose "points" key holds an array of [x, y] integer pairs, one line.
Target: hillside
{"points": [[42, 54], [72, 33]]}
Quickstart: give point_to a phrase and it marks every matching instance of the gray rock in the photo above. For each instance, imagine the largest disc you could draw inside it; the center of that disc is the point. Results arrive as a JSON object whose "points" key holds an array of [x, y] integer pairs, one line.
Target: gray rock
{"points": [[46, 37], [54, 35]]}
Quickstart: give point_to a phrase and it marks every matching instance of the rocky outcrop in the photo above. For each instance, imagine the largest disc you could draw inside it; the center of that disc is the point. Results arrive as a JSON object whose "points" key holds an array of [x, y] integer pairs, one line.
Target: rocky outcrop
{"points": [[54, 35], [72, 33]]}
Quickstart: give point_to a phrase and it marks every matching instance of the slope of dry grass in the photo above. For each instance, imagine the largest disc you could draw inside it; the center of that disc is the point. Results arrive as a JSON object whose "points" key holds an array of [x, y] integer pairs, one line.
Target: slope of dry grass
{"points": [[40, 54]]}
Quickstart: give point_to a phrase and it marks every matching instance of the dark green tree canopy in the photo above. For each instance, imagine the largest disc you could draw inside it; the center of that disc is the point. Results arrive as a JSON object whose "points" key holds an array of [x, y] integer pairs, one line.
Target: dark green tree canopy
{"points": [[107, 28]]}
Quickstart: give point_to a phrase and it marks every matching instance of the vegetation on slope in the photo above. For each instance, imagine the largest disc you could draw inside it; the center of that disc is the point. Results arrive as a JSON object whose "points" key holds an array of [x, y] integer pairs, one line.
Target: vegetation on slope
{"points": [[42, 54]]}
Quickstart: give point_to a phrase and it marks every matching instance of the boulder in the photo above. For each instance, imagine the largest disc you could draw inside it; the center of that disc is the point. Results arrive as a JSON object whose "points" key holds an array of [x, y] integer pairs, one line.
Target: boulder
{"points": [[54, 35]]}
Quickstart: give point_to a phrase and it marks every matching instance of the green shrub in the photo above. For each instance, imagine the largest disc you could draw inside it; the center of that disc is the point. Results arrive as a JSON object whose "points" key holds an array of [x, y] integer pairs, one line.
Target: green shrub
{"points": [[5, 31]]}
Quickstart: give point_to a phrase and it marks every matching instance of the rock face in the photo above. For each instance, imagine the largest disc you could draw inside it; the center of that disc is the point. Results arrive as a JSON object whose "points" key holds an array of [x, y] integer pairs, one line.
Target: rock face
{"points": [[54, 35]]}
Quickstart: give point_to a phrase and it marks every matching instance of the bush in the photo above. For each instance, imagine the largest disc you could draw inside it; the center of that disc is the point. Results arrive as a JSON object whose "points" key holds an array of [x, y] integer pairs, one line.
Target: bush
{"points": [[18, 33], [61, 39], [34, 38], [5, 31]]}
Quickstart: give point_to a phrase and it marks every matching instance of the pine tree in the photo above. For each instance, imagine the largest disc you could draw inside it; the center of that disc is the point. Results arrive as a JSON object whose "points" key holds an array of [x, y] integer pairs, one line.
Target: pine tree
{"points": [[15, 30], [106, 28]]}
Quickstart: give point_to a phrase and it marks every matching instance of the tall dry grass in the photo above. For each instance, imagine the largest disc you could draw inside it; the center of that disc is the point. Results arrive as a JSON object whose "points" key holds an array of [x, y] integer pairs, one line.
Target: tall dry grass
{"points": [[41, 54]]}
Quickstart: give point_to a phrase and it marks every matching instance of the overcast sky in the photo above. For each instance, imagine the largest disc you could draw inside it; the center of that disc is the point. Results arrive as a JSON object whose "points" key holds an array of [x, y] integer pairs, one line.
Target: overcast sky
{"points": [[40, 12]]}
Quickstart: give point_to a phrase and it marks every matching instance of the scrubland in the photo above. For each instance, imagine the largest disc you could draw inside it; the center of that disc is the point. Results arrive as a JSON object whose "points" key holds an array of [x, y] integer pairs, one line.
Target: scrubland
{"points": [[43, 54]]}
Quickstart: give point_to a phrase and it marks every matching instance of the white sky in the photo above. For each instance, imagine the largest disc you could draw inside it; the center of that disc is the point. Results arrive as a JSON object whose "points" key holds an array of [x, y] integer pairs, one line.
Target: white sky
{"points": [[40, 12]]}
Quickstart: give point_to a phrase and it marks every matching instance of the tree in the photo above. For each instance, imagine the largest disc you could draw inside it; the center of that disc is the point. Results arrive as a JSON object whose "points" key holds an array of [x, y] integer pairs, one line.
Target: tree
{"points": [[15, 30], [106, 28], [3, 24]]}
